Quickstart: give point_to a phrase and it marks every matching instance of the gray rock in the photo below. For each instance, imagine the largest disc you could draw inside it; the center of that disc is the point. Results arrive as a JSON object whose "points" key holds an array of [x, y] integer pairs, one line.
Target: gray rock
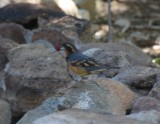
{"points": [[133, 54], [84, 117], [5, 45], [138, 76], [151, 117], [146, 103], [5, 113], [32, 75], [100, 95]]}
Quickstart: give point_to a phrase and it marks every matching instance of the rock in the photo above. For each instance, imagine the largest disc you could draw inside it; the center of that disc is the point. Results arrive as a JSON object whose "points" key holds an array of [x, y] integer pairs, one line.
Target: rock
{"points": [[134, 54], [85, 117], [155, 91], [146, 103], [5, 45], [138, 76], [49, 106], [151, 117], [26, 14], [33, 74], [8, 30], [100, 95], [72, 28], [49, 35], [5, 113], [75, 30]]}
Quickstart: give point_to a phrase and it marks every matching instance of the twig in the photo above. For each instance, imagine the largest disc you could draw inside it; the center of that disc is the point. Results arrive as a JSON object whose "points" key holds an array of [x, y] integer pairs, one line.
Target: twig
{"points": [[109, 22]]}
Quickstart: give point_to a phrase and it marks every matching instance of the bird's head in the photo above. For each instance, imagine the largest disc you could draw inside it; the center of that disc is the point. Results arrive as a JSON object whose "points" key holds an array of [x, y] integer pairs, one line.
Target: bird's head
{"points": [[68, 47]]}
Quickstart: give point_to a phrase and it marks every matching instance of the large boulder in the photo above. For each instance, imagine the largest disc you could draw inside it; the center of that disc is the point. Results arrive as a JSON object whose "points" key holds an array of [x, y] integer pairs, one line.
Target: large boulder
{"points": [[100, 95], [33, 74]]}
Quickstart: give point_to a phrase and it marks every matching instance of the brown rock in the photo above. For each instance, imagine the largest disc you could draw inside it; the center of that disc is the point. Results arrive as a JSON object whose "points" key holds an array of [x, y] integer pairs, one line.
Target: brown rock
{"points": [[146, 103], [52, 36], [85, 117], [5, 45], [32, 75], [12, 31], [102, 95], [73, 28]]}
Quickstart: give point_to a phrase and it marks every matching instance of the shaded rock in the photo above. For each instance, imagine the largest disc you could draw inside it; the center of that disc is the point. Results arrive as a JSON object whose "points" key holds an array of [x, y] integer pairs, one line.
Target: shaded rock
{"points": [[32, 75], [134, 55], [100, 95], [47, 107], [146, 103], [73, 28], [8, 30], [49, 35], [155, 91], [5, 45], [5, 113], [85, 117], [138, 76], [151, 117], [26, 14]]}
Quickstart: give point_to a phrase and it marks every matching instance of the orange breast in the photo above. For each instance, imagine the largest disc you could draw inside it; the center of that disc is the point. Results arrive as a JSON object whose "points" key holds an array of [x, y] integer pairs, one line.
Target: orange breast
{"points": [[78, 70]]}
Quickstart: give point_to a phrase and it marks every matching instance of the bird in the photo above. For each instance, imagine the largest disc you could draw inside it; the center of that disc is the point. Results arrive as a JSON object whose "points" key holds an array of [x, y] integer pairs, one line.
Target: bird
{"points": [[79, 63]]}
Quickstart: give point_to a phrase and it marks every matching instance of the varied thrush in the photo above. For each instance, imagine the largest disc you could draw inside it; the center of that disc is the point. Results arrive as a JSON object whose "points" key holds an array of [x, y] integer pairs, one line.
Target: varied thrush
{"points": [[79, 63]]}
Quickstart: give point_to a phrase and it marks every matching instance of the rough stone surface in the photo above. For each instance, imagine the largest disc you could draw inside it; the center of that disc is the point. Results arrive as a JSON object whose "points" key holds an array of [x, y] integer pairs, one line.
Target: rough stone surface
{"points": [[151, 117], [5, 113], [146, 103], [84, 117], [12, 31], [32, 75], [100, 95], [73, 28], [138, 76], [49, 35], [5, 45], [134, 54]]}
